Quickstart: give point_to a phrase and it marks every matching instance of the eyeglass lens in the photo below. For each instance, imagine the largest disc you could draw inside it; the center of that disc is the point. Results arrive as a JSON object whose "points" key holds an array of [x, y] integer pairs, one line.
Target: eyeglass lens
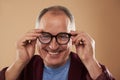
{"points": [[61, 38]]}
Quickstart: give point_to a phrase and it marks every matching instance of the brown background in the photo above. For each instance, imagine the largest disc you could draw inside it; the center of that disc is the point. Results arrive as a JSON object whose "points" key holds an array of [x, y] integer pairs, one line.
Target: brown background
{"points": [[100, 18]]}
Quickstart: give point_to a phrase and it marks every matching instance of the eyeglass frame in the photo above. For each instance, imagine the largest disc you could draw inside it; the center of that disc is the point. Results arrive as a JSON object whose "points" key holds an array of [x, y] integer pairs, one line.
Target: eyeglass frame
{"points": [[52, 36]]}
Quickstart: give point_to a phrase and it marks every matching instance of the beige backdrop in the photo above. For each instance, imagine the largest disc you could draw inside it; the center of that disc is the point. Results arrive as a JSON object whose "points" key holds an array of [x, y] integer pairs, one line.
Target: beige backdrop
{"points": [[100, 18]]}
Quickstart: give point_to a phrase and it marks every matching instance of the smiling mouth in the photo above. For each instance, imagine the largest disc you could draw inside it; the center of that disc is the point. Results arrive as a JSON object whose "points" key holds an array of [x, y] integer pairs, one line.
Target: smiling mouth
{"points": [[53, 52]]}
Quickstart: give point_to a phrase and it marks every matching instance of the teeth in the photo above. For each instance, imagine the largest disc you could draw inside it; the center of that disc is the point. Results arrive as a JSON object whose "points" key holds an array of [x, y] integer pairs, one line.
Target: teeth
{"points": [[53, 53]]}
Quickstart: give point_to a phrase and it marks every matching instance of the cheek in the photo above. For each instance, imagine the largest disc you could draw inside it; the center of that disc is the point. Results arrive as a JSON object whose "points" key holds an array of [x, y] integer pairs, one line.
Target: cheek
{"points": [[40, 49], [67, 48]]}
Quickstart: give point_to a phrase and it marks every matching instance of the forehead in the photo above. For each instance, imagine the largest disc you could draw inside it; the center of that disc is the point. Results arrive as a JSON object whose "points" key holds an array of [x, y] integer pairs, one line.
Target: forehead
{"points": [[55, 22]]}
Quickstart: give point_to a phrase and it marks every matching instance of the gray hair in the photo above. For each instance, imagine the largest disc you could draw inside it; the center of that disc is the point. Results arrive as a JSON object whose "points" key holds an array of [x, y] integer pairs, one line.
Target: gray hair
{"points": [[57, 9]]}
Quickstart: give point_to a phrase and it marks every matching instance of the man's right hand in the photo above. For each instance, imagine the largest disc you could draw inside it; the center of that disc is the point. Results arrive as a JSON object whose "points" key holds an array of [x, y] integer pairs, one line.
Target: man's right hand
{"points": [[25, 51], [26, 45]]}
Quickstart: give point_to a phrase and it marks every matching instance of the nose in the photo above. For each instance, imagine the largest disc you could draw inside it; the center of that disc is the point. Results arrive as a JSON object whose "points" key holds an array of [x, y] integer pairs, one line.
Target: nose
{"points": [[53, 44]]}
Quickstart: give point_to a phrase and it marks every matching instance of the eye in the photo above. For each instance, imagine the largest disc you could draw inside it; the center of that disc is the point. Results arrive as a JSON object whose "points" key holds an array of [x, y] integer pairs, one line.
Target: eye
{"points": [[45, 36], [63, 36]]}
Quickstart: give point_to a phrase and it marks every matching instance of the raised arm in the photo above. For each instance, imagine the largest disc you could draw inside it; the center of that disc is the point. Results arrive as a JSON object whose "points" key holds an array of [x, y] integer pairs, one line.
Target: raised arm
{"points": [[85, 48], [25, 51]]}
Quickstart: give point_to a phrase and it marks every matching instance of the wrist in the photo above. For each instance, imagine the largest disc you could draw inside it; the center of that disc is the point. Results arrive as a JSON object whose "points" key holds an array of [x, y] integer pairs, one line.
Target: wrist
{"points": [[93, 68], [92, 63], [21, 63], [14, 70]]}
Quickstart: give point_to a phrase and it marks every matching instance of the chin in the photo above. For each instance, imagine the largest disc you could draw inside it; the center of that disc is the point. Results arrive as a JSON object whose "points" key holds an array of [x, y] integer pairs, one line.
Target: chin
{"points": [[55, 62]]}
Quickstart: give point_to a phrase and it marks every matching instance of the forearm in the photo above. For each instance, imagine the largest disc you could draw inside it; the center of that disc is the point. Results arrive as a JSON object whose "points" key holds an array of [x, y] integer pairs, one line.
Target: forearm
{"points": [[14, 70], [93, 68]]}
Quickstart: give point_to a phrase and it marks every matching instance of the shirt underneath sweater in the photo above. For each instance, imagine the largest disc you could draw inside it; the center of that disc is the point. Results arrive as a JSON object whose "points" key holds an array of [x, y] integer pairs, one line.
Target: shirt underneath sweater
{"points": [[56, 73]]}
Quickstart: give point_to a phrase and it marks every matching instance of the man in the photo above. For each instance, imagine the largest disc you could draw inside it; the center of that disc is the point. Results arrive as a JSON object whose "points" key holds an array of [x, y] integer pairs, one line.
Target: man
{"points": [[54, 35]]}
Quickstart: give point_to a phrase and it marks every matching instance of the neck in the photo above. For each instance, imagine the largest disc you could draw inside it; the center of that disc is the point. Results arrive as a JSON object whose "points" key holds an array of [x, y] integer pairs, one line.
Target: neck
{"points": [[57, 65]]}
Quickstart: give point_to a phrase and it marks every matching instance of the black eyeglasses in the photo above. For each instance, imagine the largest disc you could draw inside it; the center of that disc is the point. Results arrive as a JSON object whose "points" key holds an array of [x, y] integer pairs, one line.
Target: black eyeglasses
{"points": [[61, 38]]}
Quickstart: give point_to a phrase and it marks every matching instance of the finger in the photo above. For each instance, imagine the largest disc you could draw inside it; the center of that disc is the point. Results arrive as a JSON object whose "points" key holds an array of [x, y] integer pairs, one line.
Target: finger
{"points": [[28, 37], [79, 39], [32, 34], [33, 42], [35, 31], [28, 40], [73, 33], [80, 42]]}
